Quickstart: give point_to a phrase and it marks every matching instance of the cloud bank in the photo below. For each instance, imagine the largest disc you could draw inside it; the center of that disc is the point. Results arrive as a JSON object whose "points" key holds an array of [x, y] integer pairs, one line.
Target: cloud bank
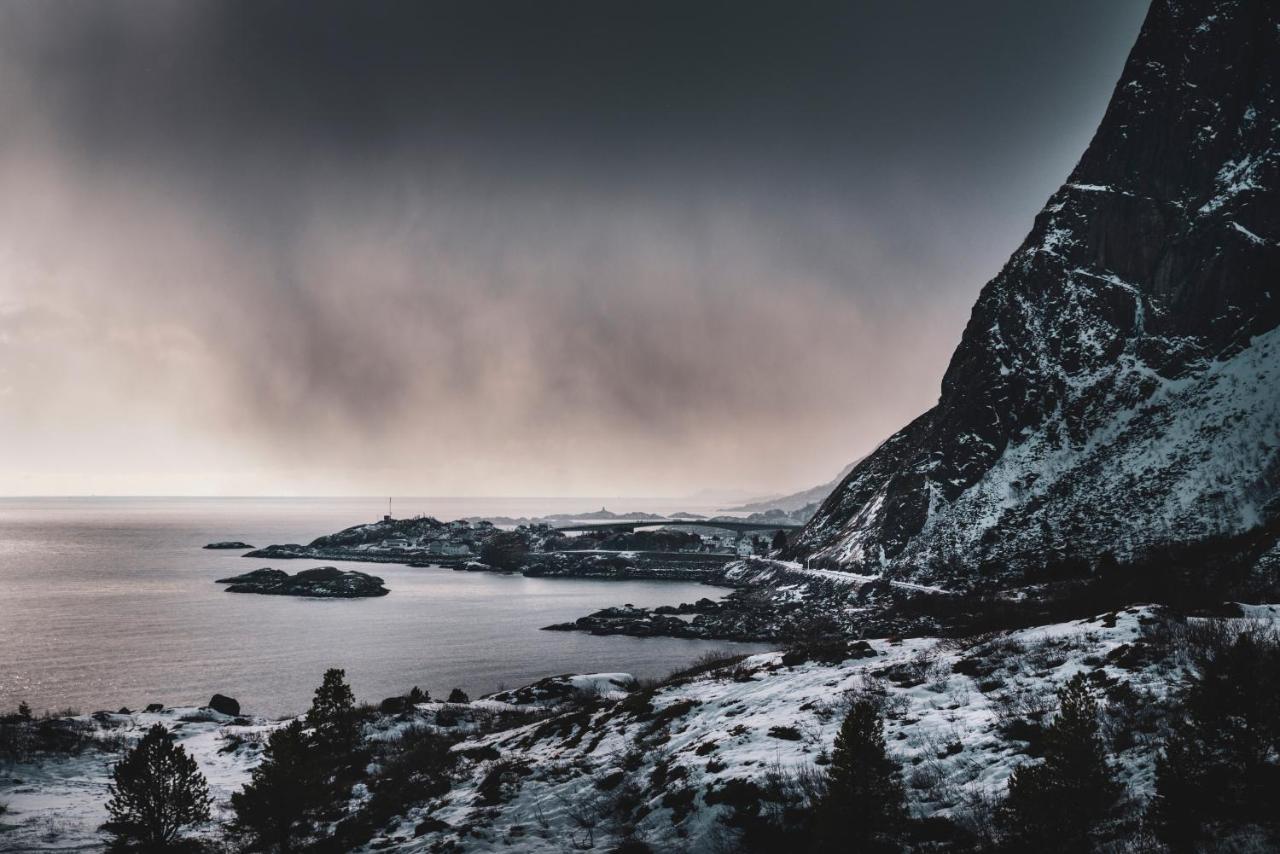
{"points": [[558, 249]]}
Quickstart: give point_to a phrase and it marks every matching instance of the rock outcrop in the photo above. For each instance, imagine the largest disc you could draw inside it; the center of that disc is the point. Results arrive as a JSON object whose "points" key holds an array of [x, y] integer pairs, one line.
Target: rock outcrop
{"points": [[1117, 389]]}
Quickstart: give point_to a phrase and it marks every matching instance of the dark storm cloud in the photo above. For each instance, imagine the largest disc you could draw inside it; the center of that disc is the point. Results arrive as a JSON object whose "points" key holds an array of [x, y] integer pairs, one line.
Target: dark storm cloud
{"points": [[508, 246]]}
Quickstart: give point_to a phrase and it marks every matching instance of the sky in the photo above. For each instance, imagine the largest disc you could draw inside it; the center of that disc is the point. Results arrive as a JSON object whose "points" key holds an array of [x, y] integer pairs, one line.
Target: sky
{"points": [[500, 247]]}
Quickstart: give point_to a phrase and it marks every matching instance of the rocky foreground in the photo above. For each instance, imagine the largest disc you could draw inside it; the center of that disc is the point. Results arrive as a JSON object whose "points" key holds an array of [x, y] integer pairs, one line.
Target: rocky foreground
{"points": [[325, 582]]}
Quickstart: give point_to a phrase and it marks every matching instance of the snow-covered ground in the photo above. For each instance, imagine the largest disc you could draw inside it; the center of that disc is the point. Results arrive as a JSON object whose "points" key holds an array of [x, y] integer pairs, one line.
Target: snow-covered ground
{"points": [[57, 803], [947, 703]]}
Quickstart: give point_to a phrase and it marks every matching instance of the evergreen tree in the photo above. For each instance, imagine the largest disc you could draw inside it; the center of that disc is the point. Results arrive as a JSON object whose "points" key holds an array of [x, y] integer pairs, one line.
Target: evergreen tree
{"points": [[1219, 772], [277, 808], [156, 791], [332, 716], [863, 808], [1055, 805]]}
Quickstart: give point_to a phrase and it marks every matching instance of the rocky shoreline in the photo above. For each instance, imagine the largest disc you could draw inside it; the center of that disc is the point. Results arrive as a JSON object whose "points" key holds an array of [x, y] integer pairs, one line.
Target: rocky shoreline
{"points": [[623, 566]]}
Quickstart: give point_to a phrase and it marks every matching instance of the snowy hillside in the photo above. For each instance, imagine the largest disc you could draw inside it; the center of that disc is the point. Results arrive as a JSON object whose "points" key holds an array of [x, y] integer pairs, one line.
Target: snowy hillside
{"points": [[578, 762], [1115, 389]]}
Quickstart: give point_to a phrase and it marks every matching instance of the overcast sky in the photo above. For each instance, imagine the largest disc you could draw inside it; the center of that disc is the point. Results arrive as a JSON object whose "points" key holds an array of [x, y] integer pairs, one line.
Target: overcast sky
{"points": [[503, 247]]}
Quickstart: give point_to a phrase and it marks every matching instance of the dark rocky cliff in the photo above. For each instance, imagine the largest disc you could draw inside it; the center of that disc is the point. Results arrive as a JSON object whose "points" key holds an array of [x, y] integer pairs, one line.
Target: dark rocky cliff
{"points": [[1117, 387]]}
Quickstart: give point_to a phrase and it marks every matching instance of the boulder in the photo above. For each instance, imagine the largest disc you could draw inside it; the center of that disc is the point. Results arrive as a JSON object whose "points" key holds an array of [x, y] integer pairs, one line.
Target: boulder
{"points": [[229, 544], [154, 707], [224, 705], [395, 705]]}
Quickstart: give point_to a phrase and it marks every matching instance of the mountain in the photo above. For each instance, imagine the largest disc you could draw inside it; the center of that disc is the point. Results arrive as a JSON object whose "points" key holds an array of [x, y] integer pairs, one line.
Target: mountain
{"points": [[1116, 391], [796, 500]]}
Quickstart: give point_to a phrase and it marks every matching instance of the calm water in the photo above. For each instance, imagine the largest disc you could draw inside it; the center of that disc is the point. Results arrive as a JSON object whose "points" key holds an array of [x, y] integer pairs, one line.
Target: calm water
{"points": [[110, 602]]}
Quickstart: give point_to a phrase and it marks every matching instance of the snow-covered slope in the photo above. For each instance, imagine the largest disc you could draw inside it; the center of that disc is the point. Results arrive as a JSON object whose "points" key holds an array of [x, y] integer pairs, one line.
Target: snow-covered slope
{"points": [[1116, 387], [603, 760], [655, 768], [57, 803]]}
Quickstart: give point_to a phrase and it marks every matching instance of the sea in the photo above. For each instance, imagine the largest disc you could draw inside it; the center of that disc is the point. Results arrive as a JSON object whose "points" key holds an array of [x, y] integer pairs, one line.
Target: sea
{"points": [[112, 602]]}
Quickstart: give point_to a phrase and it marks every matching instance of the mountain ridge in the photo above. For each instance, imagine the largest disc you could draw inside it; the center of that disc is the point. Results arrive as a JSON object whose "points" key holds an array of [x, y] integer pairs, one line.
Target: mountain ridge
{"points": [[1113, 389]]}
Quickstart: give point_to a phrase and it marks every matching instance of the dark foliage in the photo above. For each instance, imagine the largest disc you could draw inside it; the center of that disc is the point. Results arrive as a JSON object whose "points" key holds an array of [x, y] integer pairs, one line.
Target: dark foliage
{"points": [[332, 717], [411, 769], [277, 809], [505, 550], [1219, 774], [863, 808], [773, 813], [813, 637], [157, 791], [1056, 804]]}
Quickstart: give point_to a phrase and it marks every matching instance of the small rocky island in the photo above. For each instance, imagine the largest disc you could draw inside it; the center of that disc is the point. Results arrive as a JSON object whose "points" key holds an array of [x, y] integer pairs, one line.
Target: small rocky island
{"points": [[325, 582], [229, 544]]}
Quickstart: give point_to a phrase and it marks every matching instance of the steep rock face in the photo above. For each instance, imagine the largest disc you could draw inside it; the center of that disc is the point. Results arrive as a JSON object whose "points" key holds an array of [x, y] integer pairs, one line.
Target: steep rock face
{"points": [[1117, 387]]}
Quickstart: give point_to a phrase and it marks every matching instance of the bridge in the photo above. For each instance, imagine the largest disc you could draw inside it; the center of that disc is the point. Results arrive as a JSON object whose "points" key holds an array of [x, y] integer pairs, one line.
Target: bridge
{"points": [[723, 524]]}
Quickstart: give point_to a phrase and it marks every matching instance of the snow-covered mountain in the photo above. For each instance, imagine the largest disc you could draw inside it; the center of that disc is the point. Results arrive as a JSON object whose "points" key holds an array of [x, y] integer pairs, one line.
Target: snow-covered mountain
{"points": [[1117, 388]]}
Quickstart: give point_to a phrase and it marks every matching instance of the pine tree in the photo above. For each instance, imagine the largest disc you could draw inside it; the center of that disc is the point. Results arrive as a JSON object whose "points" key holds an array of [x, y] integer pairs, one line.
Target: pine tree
{"points": [[1055, 805], [1218, 772], [276, 809], [156, 791], [863, 808], [332, 715]]}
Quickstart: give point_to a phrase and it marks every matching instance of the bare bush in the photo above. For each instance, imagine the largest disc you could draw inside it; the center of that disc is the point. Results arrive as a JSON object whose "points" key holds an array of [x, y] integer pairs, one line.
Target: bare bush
{"points": [[719, 663], [874, 690]]}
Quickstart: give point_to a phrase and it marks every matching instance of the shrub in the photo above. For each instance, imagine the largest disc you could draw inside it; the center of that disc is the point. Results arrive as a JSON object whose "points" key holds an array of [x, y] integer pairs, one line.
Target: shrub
{"points": [[709, 662], [1056, 804], [505, 550], [813, 637], [412, 769], [457, 695], [774, 814], [500, 781], [786, 733], [156, 792]]}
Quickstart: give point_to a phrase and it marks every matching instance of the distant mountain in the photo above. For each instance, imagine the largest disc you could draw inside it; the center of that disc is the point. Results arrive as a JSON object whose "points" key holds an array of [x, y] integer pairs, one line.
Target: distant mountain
{"points": [[1117, 389], [796, 500]]}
